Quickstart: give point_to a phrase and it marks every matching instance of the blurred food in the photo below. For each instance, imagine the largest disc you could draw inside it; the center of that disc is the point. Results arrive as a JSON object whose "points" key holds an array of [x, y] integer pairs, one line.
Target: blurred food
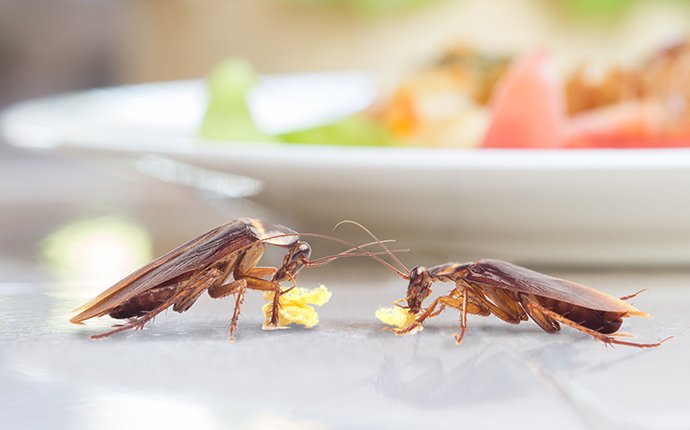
{"points": [[444, 104], [526, 106], [227, 116], [646, 106], [595, 8], [470, 99], [497, 102], [368, 6], [296, 306], [358, 129]]}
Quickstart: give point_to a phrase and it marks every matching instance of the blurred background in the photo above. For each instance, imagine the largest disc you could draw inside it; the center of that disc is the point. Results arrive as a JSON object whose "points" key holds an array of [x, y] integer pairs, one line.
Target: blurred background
{"points": [[63, 45], [56, 46]]}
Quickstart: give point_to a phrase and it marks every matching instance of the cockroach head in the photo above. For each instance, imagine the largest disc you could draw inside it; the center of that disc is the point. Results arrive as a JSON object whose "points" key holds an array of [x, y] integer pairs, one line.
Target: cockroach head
{"points": [[418, 289], [294, 261]]}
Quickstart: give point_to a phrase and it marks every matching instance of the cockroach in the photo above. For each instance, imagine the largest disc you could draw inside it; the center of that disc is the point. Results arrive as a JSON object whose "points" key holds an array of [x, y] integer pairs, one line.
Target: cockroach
{"points": [[222, 261], [515, 294]]}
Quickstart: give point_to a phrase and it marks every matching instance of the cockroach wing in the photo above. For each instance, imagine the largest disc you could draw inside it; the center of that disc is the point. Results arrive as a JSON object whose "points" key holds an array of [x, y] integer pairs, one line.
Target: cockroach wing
{"points": [[192, 256], [511, 277]]}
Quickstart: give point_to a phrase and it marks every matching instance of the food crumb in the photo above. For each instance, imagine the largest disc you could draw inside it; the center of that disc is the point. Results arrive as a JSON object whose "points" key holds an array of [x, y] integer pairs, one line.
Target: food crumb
{"points": [[296, 306], [395, 316]]}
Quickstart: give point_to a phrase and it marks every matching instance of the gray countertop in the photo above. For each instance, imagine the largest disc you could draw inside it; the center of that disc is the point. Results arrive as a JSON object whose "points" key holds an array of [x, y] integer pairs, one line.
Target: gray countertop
{"points": [[182, 371]]}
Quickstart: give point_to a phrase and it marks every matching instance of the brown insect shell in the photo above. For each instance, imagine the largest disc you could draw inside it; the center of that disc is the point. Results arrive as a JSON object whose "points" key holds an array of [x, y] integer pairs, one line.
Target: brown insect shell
{"points": [[508, 276], [195, 255]]}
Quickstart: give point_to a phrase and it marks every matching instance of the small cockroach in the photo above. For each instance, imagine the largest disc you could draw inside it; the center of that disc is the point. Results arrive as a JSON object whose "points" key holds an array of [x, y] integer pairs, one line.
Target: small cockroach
{"points": [[515, 294], [222, 261]]}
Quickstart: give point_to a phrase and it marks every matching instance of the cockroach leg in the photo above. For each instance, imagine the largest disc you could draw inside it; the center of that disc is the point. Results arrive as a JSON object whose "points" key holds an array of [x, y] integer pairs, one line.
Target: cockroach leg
{"points": [[262, 272], [273, 322], [428, 312], [545, 322], [192, 288], [631, 296], [186, 301], [463, 319], [507, 315], [627, 335], [241, 289], [397, 303], [266, 285], [606, 339], [224, 290], [439, 311]]}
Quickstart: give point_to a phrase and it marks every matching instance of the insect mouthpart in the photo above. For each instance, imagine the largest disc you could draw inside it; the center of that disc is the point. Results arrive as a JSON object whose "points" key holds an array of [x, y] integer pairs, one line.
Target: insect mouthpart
{"points": [[294, 262]]}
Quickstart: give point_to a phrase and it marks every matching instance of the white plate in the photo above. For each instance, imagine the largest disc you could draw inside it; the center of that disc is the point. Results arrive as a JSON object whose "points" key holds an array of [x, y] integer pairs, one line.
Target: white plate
{"points": [[585, 207]]}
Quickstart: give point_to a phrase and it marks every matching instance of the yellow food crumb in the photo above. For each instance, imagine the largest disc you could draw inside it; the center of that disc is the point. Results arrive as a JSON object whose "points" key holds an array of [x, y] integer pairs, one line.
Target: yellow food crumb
{"points": [[395, 316], [296, 306]]}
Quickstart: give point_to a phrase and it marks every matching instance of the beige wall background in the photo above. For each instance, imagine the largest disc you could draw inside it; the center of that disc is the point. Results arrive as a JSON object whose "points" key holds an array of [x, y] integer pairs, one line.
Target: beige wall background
{"points": [[174, 39]]}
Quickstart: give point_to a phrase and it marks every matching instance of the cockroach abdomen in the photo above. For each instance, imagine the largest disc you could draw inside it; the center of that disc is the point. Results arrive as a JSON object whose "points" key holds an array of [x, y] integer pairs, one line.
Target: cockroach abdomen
{"points": [[143, 303]]}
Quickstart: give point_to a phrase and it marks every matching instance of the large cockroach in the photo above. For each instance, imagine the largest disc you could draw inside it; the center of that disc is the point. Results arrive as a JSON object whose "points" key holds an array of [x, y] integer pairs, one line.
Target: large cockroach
{"points": [[222, 261], [515, 294]]}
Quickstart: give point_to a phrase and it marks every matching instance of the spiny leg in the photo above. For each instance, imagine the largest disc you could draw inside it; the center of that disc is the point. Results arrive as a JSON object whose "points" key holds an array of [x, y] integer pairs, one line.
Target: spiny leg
{"points": [[463, 320], [506, 300], [452, 295], [262, 272], [419, 321], [224, 290], [275, 317], [239, 287], [544, 321], [260, 284], [607, 339], [507, 315], [187, 300], [253, 275], [239, 299], [454, 299], [200, 283], [438, 312]]}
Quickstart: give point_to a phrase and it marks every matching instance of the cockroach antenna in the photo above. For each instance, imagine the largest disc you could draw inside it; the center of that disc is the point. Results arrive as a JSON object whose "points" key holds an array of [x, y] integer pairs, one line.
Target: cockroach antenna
{"points": [[405, 270], [363, 252]]}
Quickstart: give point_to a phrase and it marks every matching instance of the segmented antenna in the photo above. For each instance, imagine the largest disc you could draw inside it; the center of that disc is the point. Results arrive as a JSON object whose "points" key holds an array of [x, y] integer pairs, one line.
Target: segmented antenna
{"points": [[381, 244]]}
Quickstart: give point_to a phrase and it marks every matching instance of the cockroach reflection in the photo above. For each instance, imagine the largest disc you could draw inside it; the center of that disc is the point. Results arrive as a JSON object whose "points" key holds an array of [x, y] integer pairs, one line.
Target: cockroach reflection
{"points": [[222, 261]]}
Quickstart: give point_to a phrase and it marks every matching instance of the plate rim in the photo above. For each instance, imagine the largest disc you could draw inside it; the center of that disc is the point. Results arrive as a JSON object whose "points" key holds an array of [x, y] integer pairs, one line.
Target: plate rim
{"points": [[22, 127]]}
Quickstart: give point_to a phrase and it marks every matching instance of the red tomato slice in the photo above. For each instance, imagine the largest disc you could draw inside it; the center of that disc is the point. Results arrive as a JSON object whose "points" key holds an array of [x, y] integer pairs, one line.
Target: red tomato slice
{"points": [[626, 125], [527, 106]]}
